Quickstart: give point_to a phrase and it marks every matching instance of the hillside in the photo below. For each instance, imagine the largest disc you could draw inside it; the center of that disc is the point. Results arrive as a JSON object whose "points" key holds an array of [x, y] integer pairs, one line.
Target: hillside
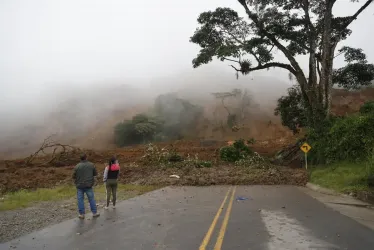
{"points": [[261, 123], [87, 120]]}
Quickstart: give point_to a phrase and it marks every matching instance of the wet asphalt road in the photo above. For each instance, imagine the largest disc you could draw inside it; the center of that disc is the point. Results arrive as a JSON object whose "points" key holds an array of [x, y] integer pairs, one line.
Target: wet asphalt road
{"points": [[188, 218]]}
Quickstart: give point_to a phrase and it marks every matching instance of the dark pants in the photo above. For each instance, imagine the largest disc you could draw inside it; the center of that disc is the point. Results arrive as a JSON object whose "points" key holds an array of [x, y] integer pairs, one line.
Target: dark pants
{"points": [[91, 198], [111, 188]]}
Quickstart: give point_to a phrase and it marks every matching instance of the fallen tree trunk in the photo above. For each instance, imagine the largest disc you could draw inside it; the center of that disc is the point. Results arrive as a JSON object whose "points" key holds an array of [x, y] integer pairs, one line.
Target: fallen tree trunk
{"points": [[291, 156]]}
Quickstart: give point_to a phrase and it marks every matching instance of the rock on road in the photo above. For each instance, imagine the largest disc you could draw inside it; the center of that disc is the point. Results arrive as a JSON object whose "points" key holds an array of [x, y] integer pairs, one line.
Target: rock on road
{"points": [[212, 218]]}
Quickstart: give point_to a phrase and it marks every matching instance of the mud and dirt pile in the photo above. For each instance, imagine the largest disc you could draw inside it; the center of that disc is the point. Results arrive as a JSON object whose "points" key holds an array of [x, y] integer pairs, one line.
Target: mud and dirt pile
{"points": [[17, 174]]}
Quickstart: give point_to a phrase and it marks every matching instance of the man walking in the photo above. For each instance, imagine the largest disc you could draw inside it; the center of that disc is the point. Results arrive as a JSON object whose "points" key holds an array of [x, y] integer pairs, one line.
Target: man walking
{"points": [[84, 178]]}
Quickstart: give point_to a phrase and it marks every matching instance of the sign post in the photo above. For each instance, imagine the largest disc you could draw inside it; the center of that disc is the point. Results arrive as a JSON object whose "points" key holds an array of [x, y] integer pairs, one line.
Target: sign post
{"points": [[305, 148]]}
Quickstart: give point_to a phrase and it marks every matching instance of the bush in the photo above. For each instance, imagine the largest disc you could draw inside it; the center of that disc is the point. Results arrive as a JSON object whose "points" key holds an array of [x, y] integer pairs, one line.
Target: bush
{"points": [[253, 161], [203, 164], [196, 162], [154, 155], [345, 138], [173, 156], [292, 110], [170, 158], [370, 170], [367, 108], [239, 150], [319, 139]]}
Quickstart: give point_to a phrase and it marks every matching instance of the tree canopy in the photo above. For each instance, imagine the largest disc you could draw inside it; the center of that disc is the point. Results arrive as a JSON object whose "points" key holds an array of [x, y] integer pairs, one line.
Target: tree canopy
{"points": [[293, 27]]}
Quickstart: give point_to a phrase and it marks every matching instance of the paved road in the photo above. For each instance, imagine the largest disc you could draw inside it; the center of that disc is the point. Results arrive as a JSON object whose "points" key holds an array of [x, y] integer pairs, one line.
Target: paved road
{"points": [[212, 218]]}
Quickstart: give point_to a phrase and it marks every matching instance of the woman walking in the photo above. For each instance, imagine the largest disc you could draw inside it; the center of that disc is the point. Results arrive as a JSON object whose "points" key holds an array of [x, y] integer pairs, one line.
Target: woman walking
{"points": [[111, 174]]}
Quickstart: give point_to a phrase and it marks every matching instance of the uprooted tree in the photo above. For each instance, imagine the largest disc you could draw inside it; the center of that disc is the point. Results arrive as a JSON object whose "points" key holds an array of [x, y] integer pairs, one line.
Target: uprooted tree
{"points": [[58, 151], [293, 27]]}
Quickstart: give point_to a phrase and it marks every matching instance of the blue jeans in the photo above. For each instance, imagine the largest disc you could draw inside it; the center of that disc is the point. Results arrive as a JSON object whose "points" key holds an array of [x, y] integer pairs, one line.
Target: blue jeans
{"points": [[91, 198]]}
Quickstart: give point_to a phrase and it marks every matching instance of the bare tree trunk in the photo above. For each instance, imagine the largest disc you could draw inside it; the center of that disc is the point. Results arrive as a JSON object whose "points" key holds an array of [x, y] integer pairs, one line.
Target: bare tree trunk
{"points": [[329, 82], [308, 99], [326, 71]]}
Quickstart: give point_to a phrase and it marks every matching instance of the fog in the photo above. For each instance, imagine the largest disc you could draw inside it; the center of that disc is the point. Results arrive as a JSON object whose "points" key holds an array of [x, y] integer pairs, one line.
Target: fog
{"points": [[67, 66]]}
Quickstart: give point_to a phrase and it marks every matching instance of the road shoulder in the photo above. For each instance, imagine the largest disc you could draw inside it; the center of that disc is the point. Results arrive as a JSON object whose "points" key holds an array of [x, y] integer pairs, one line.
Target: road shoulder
{"points": [[358, 210]]}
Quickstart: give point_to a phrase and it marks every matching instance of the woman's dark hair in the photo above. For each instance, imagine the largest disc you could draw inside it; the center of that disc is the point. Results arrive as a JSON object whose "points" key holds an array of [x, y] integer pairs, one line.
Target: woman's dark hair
{"points": [[111, 162]]}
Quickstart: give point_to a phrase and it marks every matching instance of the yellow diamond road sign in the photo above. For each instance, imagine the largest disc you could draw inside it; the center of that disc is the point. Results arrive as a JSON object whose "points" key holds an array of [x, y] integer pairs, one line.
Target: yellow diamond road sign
{"points": [[305, 147]]}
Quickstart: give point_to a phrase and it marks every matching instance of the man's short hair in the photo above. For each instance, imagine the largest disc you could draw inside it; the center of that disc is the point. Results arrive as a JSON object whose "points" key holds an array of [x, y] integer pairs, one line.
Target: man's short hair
{"points": [[83, 157]]}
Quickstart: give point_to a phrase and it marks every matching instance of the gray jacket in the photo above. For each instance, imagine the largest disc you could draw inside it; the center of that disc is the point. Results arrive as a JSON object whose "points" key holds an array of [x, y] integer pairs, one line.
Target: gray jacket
{"points": [[84, 174]]}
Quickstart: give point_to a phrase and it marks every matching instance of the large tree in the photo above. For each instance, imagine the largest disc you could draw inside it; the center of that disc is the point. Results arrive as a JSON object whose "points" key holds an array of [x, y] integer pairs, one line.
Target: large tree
{"points": [[293, 27]]}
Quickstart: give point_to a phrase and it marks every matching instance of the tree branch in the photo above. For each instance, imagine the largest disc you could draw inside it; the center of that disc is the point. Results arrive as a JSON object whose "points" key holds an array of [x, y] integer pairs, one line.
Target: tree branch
{"points": [[49, 143], [318, 69], [255, 56], [238, 70], [294, 67], [339, 54], [269, 65], [275, 64], [272, 47], [240, 42], [230, 34], [231, 60], [354, 17], [307, 16], [312, 43]]}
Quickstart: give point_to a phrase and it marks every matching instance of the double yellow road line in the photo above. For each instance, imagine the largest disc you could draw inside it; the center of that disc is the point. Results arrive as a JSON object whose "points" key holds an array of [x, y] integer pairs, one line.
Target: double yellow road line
{"points": [[222, 231]]}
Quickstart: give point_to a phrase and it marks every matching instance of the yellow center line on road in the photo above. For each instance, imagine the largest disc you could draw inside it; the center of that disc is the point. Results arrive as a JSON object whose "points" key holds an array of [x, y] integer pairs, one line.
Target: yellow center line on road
{"points": [[224, 223], [213, 225]]}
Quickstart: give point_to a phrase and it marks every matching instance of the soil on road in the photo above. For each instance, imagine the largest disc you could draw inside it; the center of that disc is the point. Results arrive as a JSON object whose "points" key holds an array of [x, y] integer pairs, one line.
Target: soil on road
{"points": [[218, 217]]}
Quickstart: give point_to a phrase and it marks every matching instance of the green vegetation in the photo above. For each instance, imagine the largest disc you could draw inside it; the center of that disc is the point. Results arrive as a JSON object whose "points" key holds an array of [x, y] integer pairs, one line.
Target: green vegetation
{"points": [[26, 198], [237, 151], [292, 110], [367, 108], [343, 152], [142, 128], [169, 119], [197, 163], [242, 155], [342, 139], [203, 164], [343, 176], [168, 157]]}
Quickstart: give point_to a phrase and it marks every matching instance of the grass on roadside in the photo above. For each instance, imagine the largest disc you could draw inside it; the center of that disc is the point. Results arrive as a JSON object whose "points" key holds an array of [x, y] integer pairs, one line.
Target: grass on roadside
{"points": [[343, 177], [26, 198]]}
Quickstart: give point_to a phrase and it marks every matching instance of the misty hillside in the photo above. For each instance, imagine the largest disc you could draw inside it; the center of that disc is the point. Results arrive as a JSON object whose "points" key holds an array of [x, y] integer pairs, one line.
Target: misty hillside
{"points": [[71, 114], [78, 114], [86, 116]]}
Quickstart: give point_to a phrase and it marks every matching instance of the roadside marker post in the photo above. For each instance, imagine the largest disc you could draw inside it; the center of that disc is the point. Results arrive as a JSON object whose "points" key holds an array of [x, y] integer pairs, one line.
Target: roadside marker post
{"points": [[306, 148]]}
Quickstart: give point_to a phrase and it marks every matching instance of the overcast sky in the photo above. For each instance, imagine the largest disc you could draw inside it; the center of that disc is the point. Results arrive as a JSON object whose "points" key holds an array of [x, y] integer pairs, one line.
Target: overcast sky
{"points": [[49, 42]]}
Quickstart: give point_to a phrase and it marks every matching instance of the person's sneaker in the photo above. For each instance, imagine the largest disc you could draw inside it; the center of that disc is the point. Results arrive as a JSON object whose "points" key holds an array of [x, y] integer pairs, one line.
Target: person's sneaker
{"points": [[106, 208], [81, 216], [96, 215], [114, 206]]}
